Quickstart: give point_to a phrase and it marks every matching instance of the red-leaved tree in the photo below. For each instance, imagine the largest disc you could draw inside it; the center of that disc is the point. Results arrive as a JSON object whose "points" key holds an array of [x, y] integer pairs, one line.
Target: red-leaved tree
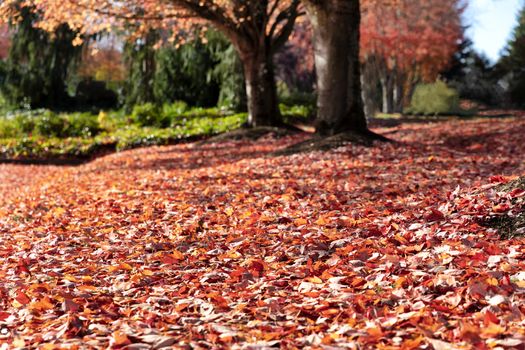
{"points": [[406, 42]]}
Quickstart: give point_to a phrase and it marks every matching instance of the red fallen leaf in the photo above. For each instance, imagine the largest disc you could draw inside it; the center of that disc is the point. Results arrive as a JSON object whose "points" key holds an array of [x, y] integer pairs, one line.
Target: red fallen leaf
{"points": [[517, 192], [501, 208], [258, 267], [4, 315], [434, 215], [490, 318], [22, 298], [498, 179], [173, 258], [23, 266], [74, 325], [219, 301], [69, 305]]}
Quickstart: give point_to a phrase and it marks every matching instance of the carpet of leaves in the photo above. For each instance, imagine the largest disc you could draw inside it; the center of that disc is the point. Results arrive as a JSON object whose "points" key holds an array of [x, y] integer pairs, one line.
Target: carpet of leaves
{"points": [[222, 246]]}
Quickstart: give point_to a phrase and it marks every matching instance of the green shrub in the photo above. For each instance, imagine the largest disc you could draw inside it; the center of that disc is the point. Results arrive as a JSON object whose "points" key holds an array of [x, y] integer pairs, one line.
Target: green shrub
{"points": [[148, 114], [8, 129], [43, 134], [175, 109], [82, 125], [51, 125], [297, 111], [434, 99]]}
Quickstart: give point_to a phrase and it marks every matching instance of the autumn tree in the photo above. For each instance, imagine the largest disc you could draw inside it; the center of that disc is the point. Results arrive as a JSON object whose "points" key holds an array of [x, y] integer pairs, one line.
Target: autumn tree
{"points": [[405, 42], [257, 29]]}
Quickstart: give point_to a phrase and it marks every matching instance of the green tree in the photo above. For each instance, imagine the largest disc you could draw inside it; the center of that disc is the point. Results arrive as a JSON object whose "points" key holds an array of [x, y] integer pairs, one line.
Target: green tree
{"points": [[39, 64], [512, 63], [198, 73]]}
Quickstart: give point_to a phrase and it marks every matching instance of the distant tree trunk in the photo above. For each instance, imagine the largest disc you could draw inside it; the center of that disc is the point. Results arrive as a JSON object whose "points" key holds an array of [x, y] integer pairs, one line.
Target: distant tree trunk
{"points": [[261, 89], [336, 40], [399, 93], [369, 83]]}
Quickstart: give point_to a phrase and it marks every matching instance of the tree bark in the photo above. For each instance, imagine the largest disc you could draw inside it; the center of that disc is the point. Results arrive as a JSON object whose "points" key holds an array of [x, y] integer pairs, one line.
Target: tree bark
{"points": [[336, 40], [261, 89]]}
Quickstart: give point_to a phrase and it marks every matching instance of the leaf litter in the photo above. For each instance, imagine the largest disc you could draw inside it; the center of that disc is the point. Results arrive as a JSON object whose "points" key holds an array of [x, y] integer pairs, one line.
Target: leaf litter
{"points": [[220, 246]]}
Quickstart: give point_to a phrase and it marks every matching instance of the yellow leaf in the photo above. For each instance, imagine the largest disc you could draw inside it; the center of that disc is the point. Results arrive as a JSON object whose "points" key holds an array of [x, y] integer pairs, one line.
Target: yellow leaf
{"points": [[492, 281], [321, 221], [70, 278], [300, 222], [126, 266], [19, 343], [492, 330], [399, 282], [42, 305], [315, 280], [178, 255]]}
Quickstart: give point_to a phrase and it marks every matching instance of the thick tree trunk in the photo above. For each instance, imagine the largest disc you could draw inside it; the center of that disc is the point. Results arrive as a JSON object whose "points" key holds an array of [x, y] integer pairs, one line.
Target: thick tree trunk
{"points": [[261, 90], [336, 41]]}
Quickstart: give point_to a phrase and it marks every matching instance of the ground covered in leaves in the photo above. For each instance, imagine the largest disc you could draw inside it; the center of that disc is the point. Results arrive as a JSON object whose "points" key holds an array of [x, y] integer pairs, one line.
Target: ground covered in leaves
{"points": [[204, 246]]}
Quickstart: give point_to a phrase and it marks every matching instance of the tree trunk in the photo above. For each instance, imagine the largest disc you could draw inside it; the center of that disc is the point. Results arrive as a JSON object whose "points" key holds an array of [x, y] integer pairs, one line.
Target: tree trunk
{"points": [[261, 90], [336, 40], [399, 93]]}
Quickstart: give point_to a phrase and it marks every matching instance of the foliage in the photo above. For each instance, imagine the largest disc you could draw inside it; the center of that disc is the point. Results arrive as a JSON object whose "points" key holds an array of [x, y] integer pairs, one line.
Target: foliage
{"points": [[39, 63], [262, 27], [434, 99], [103, 61], [93, 94], [301, 112], [221, 246], [148, 114], [473, 76], [45, 134], [139, 57], [227, 72], [407, 42], [198, 73], [511, 64], [48, 124]]}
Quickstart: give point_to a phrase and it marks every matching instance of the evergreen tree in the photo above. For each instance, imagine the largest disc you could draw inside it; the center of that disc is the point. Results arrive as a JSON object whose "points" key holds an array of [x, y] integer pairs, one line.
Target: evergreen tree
{"points": [[512, 65], [139, 57], [228, 72], [200, 74], [39, 64], [473, 76]]}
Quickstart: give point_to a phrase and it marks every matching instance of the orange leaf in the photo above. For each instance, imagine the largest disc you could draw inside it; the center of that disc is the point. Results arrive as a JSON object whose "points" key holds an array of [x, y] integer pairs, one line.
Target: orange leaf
{"points": [[120, 338], [22, 298]]}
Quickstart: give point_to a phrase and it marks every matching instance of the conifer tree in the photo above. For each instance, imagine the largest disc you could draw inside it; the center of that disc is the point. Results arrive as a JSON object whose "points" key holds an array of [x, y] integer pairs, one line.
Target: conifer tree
{"points": [[39, 63], [512, 63]]}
